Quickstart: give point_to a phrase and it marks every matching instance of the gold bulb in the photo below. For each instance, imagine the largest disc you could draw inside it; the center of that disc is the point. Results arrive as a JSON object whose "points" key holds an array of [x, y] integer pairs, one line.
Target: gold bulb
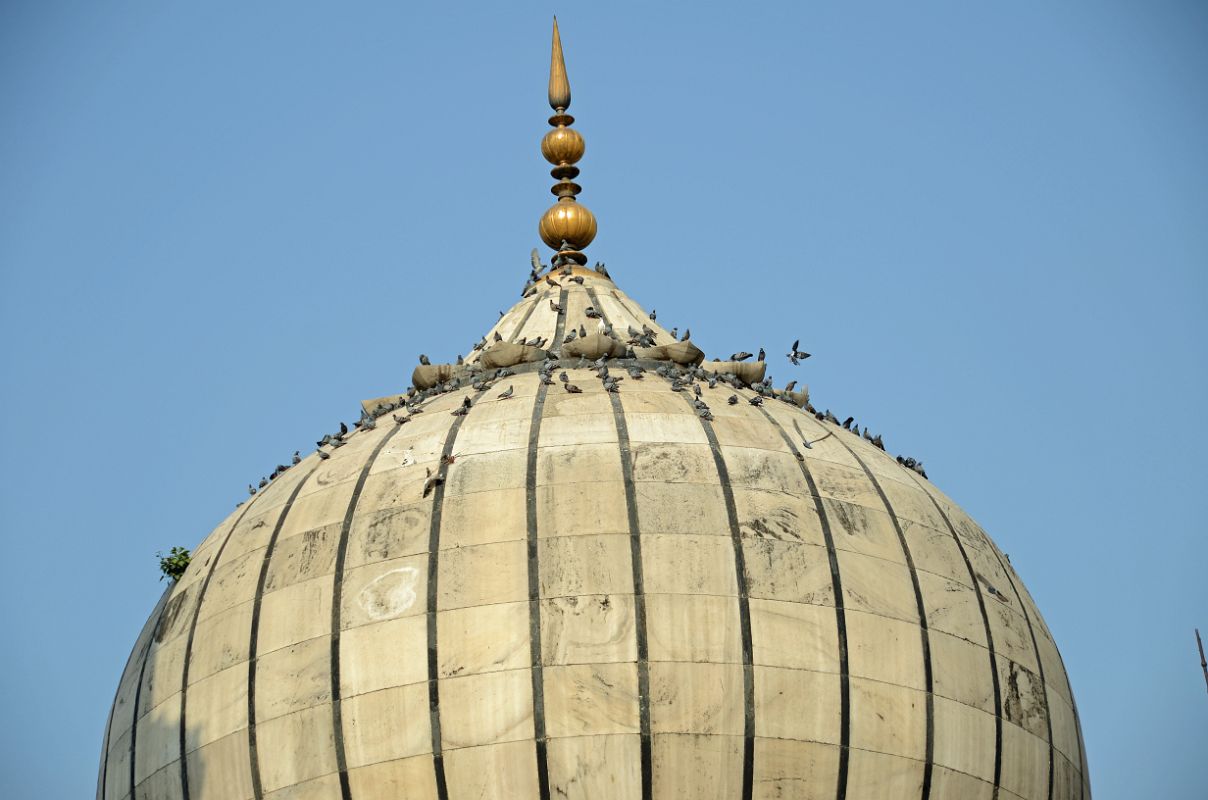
{"points": [[563, 145], [570, 222]]}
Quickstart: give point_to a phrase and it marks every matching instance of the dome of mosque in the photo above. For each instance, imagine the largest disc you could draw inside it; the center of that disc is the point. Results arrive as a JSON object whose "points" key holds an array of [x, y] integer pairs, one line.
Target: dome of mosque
{"points": [[588, 563]]}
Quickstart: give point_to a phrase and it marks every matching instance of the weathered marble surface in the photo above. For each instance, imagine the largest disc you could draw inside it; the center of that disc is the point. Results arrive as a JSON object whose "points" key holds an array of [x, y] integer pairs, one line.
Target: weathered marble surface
{"points": [[341, 679]]}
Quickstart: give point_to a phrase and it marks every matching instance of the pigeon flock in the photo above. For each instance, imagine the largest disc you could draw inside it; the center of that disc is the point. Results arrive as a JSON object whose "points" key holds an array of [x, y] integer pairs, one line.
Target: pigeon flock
{"points": [[681, 378]]}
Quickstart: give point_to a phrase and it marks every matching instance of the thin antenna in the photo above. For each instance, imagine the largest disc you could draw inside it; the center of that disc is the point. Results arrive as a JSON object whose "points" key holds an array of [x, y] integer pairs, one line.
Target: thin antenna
{"points": [[1203, 661]]}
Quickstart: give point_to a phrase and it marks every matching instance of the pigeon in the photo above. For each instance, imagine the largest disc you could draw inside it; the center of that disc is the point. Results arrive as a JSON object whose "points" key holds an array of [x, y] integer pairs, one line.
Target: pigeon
{"points": [[423, 359], [297, 458], [847, 423], [636, 373], [324, 455], [251, 489], [498, 338], [795, 355], [570, 387], [599, 267], [674, 332], [789, 386], [432, 482], [263, 482], [705, 414], [740, 356], [762, 355], [460, 360], [557, 309], [562, 376], [582, 332], [403, 420], [757, 400], [550, 280], [343, 429], [654, 314], [591, 313], [732, 400], [577, 279], [687, 335], [810, 445], [507, 394]]}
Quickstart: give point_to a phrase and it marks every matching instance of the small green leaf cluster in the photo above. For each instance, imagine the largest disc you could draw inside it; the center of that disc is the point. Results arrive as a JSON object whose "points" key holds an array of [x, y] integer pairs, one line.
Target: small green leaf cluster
{"points": [[174, 564]]}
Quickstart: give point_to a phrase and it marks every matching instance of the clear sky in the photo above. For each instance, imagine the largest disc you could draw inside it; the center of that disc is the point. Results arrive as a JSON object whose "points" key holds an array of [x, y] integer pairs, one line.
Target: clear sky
{"points": [[223, 224]]}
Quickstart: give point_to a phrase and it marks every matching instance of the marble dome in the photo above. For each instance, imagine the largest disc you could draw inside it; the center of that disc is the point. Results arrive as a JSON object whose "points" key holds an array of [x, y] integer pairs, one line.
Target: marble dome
{"points": [[594, 594]]}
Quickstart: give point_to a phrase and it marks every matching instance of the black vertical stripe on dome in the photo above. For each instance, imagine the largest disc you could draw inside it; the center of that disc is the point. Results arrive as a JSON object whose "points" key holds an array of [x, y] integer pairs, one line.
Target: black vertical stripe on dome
{"points": [[985, 615], [1083, 778], [253, 749], [560, 325], [744, 606], [156, 614], [438, 502], [1027, 618], [337, 710], [840, 609], [184, 681], [928, 677], [516, 335], [636, 317], [639, 596], [595, 303], [536, 670]]}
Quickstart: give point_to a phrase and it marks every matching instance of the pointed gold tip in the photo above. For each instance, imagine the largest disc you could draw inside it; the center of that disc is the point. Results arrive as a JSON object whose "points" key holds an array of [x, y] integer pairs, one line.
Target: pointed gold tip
{"points": [[559, 86]]}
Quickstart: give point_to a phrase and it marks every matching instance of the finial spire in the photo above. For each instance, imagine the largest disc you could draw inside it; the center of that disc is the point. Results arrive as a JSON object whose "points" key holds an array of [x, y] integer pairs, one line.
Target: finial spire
{"points": [[567, 226], [559, 86]]}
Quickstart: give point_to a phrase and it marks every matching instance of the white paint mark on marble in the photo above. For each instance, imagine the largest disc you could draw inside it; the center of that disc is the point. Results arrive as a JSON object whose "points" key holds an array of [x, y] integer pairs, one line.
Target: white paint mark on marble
{"points": [[389, 595]]}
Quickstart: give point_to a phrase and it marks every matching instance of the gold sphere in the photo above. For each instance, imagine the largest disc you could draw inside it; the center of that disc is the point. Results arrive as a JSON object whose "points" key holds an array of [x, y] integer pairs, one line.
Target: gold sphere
{"points": [[562, 146], [567, 221]]}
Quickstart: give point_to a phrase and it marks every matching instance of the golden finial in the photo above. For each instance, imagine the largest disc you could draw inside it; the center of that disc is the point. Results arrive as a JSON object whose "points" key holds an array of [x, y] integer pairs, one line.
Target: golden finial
{"points": [[567, 226], [559, 86]]}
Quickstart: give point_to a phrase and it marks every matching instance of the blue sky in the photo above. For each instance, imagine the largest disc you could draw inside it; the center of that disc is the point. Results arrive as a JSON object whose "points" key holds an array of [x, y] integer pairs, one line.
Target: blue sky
{"points": [[224, 224]]}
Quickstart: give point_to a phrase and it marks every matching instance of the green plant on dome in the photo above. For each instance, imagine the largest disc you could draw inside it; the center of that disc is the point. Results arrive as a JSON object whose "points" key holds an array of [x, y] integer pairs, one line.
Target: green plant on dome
{"points": [[174, 564]]}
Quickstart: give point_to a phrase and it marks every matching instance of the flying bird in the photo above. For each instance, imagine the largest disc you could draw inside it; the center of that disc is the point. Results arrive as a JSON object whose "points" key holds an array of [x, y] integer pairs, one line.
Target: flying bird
{"points": [[795, 355], [432, 482]]}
